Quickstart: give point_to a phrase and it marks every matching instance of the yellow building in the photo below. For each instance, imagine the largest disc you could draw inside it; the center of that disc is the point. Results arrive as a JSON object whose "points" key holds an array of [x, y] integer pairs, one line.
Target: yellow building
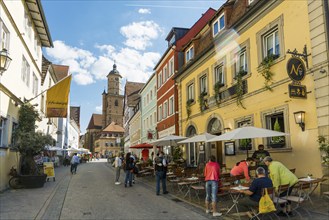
{"points": [[109, 141], [222, 84]]}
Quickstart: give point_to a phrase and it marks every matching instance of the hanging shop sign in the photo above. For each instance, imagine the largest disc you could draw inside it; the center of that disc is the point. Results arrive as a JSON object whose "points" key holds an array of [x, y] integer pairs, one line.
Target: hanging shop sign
{"points": [[297, 91], [296, 69]]}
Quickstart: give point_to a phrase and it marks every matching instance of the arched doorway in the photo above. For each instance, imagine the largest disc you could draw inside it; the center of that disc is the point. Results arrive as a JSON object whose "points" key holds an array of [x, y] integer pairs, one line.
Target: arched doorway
{"points": [[215, 148], [191, 159]]}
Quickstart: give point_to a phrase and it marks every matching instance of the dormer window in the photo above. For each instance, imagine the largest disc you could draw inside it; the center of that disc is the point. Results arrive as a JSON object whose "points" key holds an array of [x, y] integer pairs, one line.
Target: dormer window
{"points": [[218, 24], [189, 54], [172, 40]]}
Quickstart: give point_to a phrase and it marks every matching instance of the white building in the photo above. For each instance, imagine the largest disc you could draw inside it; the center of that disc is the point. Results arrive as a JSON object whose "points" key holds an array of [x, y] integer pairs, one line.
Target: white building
{"points": [[24, 31]]}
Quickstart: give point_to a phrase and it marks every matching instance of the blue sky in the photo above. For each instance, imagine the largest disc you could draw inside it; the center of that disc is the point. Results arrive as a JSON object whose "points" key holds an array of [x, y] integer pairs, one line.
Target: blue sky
{"points": [[89, 35]]}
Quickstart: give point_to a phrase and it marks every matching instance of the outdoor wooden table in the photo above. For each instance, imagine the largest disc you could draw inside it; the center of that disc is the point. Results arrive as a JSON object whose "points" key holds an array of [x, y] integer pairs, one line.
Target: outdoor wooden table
{"points": [[235, 194], [185, 184], [313, 184]]}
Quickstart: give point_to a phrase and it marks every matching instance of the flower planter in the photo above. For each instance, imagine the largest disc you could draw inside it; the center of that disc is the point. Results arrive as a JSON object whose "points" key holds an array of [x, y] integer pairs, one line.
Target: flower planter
{"points": [[278, 145], [33, 181]]}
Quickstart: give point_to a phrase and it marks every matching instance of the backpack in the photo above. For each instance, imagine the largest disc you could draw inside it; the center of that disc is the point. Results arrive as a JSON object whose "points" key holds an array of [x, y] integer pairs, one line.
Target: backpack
{"points": [[158, 164]]}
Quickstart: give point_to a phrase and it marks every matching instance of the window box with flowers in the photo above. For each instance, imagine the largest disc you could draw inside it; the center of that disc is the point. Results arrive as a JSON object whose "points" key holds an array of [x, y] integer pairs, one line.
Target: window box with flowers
{"points": [[189, 102], [203, 102]]}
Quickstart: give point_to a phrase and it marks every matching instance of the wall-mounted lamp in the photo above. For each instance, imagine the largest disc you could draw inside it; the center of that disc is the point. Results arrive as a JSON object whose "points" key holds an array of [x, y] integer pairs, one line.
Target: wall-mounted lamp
{"points": [[226, 130], [300, 119], [4, 60]]}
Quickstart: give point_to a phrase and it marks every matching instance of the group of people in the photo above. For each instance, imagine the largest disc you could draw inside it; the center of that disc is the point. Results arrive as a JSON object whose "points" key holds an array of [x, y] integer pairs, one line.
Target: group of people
{"points": [[269, 173], [128, 164]]}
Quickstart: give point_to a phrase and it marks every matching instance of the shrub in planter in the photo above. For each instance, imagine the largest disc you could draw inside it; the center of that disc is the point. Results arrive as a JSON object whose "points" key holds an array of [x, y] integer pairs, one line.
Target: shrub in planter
{"points": [[30, 143]]}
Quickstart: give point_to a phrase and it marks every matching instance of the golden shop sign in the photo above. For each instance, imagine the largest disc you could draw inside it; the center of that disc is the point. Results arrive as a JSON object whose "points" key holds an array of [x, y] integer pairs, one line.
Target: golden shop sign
{"points": [[296, 69]]}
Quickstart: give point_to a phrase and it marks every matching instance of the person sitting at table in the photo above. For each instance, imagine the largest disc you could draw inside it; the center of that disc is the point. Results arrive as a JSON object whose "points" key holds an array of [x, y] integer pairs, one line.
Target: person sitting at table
{"points": [[259, 155], [255, 191], [281, 175], [241, 168], [211, 174]]}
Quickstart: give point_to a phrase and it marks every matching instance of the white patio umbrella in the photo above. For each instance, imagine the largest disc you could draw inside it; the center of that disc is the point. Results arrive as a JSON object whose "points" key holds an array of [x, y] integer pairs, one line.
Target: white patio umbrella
{"points": [[170, 140], [247, 132], [198, 138]]}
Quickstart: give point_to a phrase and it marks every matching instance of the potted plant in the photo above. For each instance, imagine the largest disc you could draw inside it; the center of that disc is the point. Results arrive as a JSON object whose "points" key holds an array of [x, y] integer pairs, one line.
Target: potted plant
{"points": [[277, 142], [266, 72], [217, 86], [30, 143], [324, 148], [245, 144], [188, 107], [203, 101]]}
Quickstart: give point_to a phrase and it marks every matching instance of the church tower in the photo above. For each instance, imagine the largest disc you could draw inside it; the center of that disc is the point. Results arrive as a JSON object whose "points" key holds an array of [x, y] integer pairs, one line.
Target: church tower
{"points": [[112, 100]]}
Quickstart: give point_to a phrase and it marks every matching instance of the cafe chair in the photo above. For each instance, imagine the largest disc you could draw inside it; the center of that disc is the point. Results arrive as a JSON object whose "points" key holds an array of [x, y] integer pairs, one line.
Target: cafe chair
{"points": [[278, 200], [303, 187], [256, 214]]}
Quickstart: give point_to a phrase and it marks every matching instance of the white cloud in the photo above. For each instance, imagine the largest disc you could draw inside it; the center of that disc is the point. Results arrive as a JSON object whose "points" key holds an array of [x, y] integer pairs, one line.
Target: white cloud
{"points": [[140, 34], [133, 62], [144, 11], [98, 109]]}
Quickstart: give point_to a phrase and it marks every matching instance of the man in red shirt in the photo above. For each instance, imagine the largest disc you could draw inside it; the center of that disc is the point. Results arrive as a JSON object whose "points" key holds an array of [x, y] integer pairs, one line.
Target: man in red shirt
{"points": [[211, 174]]}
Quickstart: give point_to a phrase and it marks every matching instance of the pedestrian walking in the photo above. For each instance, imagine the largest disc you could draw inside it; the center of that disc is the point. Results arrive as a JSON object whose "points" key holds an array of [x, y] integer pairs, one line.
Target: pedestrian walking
{"points": [[133, 157], [211, 174], [74, 163], [117, 165], [129, 166], [160, 166]]}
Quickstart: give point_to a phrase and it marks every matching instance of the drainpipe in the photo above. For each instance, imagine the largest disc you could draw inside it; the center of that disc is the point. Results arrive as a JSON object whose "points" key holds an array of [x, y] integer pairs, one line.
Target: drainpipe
{"points": [[326, 15]]}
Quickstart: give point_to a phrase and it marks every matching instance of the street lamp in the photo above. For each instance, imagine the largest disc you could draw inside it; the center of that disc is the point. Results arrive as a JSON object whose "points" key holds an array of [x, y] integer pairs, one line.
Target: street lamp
{"points": [[4, 60], [300, 119]]}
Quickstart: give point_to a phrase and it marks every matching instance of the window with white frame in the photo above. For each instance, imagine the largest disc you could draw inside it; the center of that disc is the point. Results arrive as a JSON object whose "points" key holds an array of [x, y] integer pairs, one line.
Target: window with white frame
{"points": [[276, 122], [160, 80], [148, 99], [241, 64], [165, 109], [271, 43], [203, 84], [160, 113], [190, 91], [147, 123], [14, 127], [171, 105], [219, 74], [218, 24], [154, 117], [151, 120], [151, 95], [3, 132], [171, 66], [35, 84], [42, 103], [165, 73], [244, 144], [27, 24], [189, 54], [4, 37], [25, 75]]}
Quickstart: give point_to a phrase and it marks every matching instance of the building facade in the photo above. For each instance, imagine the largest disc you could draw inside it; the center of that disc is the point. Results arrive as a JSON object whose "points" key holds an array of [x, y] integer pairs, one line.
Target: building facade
{"points": [[240, 76], [148, 110], [24, 32]]}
